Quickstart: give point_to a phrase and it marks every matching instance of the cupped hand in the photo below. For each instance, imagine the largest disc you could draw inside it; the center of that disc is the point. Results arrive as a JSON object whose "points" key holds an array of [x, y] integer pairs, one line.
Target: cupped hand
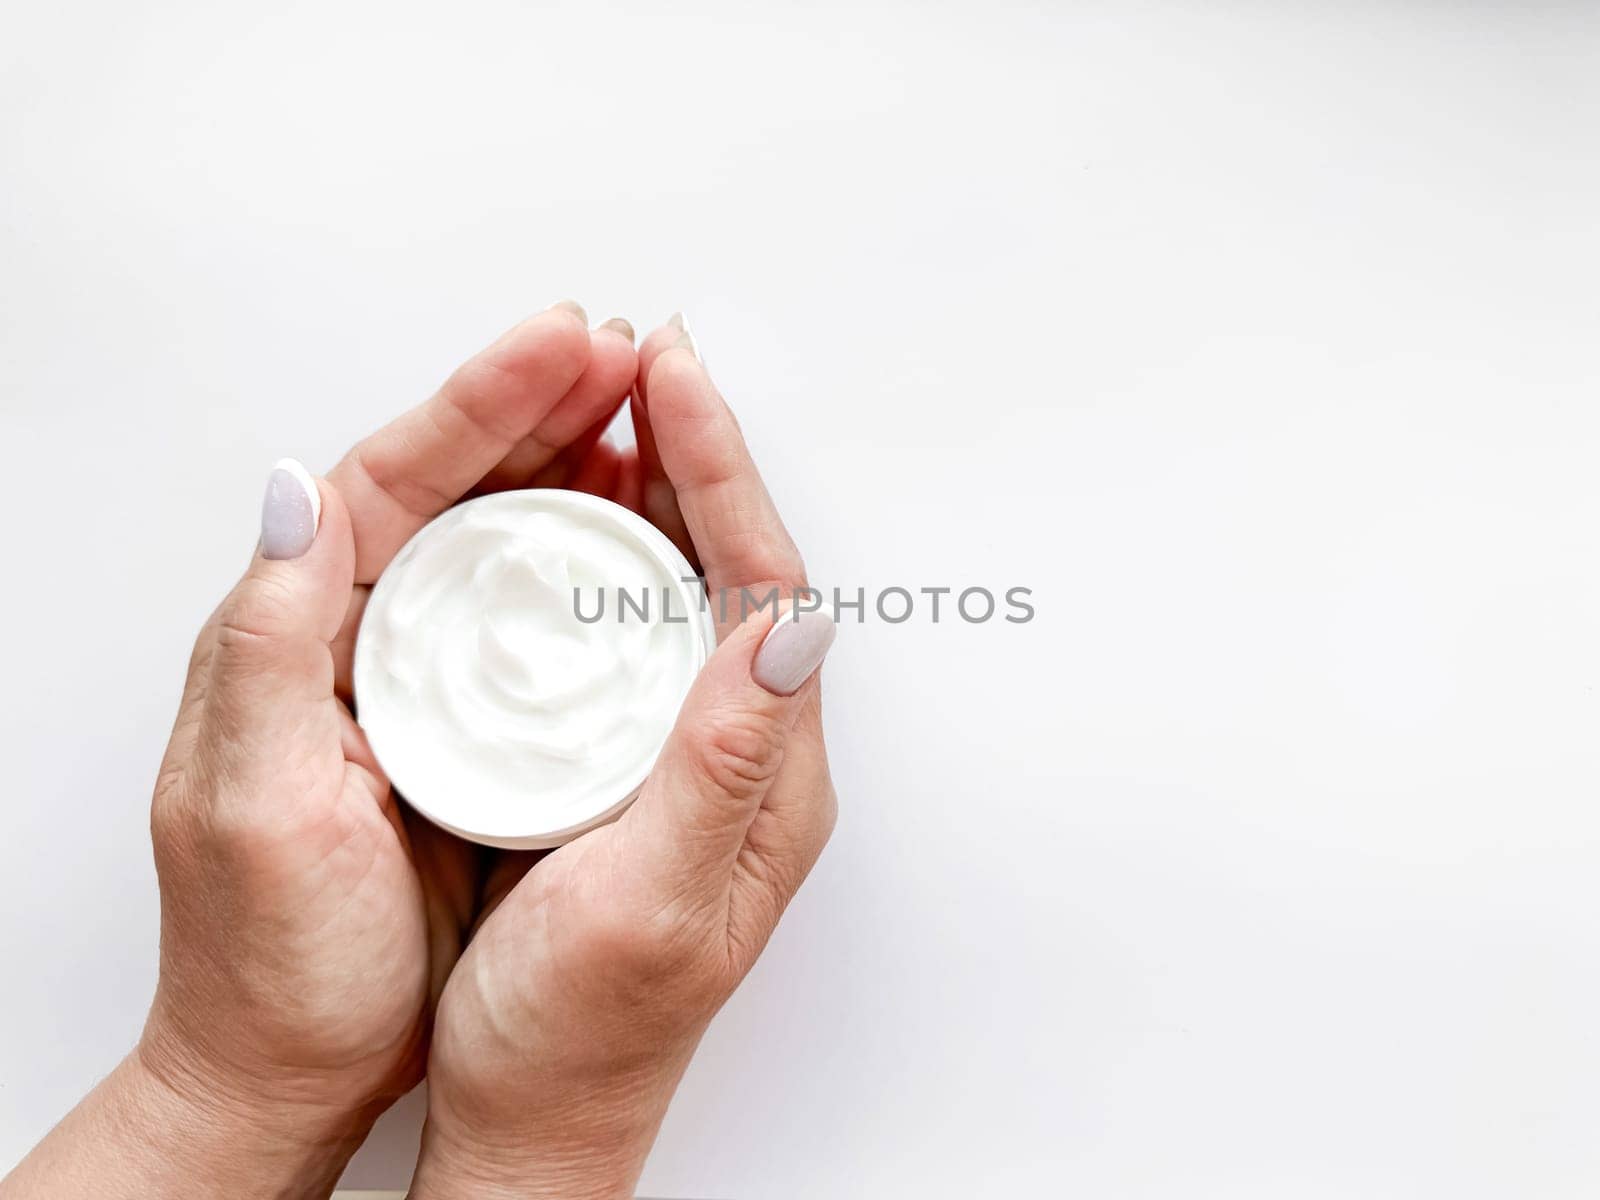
{"points": [[308, 922], [595, 968]]}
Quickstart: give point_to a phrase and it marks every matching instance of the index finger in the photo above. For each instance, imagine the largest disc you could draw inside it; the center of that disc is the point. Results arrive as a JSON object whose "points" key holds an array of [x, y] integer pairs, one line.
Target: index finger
{"points": [[398, 479], [737, 533]]}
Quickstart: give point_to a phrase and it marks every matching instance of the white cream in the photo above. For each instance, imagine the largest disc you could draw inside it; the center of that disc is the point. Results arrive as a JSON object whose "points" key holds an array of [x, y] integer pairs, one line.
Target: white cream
{"points": [[495, 710]]}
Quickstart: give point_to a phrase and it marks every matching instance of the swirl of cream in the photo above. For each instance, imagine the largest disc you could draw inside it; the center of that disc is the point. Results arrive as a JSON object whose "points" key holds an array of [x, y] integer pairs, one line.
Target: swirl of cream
{"points": [[521, 661]]}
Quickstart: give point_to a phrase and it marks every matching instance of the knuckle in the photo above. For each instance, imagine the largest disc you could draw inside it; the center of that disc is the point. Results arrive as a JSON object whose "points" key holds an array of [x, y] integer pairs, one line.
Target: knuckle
{"points": [[255, 612], [234, 830], [181, 834], [266, 838], [649, 953], [413, 496], [631, 946], [171, 824], [258, 634], [740, 753]]}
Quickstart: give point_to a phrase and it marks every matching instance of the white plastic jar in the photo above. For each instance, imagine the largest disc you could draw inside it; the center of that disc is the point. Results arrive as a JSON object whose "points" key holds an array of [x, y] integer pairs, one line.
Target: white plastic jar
{"points": [[522, 660]]}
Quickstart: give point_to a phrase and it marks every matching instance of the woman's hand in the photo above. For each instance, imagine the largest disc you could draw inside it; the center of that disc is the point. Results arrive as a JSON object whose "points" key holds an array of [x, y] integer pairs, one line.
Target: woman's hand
{"points": [[567, 1023], [308, 922]]}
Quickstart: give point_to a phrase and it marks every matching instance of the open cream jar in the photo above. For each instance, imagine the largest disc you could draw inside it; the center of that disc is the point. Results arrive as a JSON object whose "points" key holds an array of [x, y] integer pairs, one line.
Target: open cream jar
{"points": [[522, 660]]}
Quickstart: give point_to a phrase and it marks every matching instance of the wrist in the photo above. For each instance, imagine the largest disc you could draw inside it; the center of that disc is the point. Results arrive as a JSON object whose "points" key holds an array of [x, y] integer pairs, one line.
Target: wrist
{"points": [[577, 1141], [452, 1170], [236, 1137], [141, 1136]]}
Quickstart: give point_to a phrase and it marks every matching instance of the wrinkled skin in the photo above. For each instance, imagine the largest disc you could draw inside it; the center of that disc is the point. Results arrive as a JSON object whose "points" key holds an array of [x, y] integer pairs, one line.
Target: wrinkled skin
{"points": [[322, 946]]}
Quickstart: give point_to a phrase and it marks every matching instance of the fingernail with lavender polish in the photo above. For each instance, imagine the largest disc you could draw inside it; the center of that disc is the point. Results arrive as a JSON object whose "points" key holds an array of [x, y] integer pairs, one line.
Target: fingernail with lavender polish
{"points": [[290, 511], [685, 337], [792, 650]]}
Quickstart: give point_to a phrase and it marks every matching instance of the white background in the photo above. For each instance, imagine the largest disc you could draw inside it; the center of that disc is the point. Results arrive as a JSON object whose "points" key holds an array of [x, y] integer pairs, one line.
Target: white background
{"points": [[1256, 338]]}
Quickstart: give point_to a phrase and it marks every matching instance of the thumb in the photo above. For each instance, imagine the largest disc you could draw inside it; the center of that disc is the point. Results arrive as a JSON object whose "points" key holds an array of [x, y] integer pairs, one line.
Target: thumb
{"points": [[271, 661], [722, 756]]}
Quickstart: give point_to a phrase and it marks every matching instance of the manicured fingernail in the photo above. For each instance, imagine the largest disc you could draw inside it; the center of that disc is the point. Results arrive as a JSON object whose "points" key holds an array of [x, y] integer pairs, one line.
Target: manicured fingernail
{"points": [[621, 325], [290, 511], [573, 307], [685, 336], [792, 650]]}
